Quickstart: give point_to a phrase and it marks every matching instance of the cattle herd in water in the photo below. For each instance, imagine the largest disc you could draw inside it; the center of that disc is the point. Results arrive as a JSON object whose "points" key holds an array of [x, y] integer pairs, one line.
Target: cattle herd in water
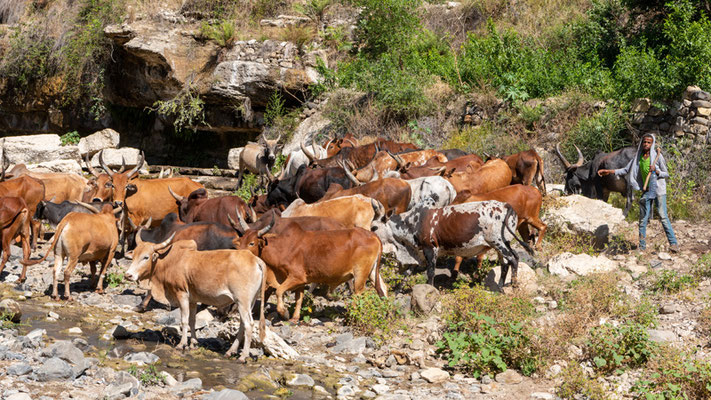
{"points": [[326, 218]]}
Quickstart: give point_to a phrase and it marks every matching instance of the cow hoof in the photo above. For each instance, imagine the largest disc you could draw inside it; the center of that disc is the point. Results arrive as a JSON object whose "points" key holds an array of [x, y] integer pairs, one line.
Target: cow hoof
{"points": [[99, 291], [70, 298], [242, 360], [139, 309], [56, 298], [182, 346], [294, 321]]}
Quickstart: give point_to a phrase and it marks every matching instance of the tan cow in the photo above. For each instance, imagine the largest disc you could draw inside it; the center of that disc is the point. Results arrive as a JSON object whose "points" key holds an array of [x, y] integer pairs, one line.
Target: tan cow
{"points": [[14, 221], [58, 186], [83, 238], [352, 211], [494, 174], [385, 161], [182, 276]]}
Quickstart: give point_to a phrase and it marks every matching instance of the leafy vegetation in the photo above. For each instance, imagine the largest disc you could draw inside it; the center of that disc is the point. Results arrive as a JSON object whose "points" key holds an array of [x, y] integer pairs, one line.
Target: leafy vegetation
{"points": [[613, 348], [147, 376], [186, 109], [114, 279], [222, 33], [70, 138], [372, 314], [670, 281]]}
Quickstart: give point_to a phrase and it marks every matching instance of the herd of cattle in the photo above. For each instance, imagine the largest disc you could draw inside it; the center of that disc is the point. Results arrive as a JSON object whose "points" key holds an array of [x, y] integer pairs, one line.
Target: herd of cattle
{"points": [[326, 218]]}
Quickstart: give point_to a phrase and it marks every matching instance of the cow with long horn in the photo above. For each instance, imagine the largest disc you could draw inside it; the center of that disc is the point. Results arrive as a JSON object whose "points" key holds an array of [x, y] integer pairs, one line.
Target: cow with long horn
{"points": [[582, 178], [259, 158]]}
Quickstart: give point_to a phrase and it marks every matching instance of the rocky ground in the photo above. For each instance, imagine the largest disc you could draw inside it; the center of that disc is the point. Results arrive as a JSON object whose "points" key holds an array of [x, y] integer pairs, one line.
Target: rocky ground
{"points": [[86, 348]]}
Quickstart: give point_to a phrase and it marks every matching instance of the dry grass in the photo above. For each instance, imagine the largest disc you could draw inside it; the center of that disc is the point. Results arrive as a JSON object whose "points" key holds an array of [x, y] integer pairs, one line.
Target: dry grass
{"points": [[12, 10]]}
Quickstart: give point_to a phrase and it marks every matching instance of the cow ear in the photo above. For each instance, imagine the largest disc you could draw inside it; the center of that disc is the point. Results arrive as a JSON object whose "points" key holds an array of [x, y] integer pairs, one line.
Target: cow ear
{"points": [[131, 189]]}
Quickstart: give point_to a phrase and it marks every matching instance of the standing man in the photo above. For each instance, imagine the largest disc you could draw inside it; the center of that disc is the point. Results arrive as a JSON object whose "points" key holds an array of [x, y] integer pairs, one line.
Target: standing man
{"points": [[648, 161]]}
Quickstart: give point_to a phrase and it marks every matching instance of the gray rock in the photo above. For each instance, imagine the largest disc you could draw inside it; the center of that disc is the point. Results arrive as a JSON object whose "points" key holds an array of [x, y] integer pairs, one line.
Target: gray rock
{"points": [[346, 391], [226, 394], [81, 344], [485, 380], [116, 392], [123, 378], [434, 375], [380, 388], [424, 298], [542, 396], [33, 149], [661, 336], [580, 215], [19, 396], [191, 385], [403, 303], [664, 256], [568, 265], [65, 350], [669, 308], [389, 373], [19, 369], [82, 366], [127, 300], [54, 369], [115, 157], [103, 139], [141, 358], [344, 337], [300, 380], [12, 309], [509, 377], [53, 315], [527, 279], [354, 346], [168, 319]]}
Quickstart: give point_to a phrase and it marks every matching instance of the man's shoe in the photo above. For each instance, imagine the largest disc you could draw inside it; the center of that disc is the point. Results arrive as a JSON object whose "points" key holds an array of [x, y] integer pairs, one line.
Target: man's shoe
{"points": [[674, 248]]}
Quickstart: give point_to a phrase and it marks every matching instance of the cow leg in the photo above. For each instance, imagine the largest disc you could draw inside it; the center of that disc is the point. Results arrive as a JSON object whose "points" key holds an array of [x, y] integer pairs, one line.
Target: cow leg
{"points": [[290, 283], [431, 259], [538, 224], [299, 293], [25, 237], [35, 227], [144, 304], [56, 270], [67, 277], [184, 304], [509, 257], [191, 320], [457, 264], [5, 251], [92, 269], [99, 288]]}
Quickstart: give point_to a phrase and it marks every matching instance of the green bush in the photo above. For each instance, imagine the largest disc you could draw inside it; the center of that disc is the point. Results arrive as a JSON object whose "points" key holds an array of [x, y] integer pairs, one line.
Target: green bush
{"points": [[670, 281], [114, 279], [70, 138], [222, 33], [674, 374], [613, 348], [603, 131], [148, 376], [28, 59], [575, 385], [372, 314], [186, 109], [486, 138]]}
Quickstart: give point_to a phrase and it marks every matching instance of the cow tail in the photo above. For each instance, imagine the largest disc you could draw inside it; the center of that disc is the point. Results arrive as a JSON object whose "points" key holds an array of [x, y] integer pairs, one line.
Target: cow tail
{"points": [[57, 234], [539, 171], [509, 213], [13, 219], [262, 323]]}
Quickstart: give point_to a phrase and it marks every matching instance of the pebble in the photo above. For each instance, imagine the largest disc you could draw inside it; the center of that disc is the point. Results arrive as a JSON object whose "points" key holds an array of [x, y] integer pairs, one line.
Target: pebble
{"points": [[301, 380], [380, 389], [346, 391], [434, 375], [486, 379], [664, 256], [669, 308], [19, 396], [141, 358], [53, 315], [389, 373], [75, 330], [190, 385], [53, 369], [225, 394], [19, 369]]}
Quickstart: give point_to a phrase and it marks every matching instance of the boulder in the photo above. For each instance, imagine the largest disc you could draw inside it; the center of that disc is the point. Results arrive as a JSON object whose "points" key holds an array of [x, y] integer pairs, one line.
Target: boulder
{"points": [[527, 279], [569, 265], [64, 350], [434, 375], [103, 139], [11, 309], [53, 369], [66, 166], [424, 298], [115, 157], [34, 149], [274, 345], [233, 157], [310, 128], [580, 215], [225, 394]]}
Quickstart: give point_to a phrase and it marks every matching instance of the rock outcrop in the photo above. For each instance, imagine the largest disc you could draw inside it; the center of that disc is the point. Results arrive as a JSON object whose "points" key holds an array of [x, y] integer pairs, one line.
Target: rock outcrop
{"points": [[569, 265], [580, 215]]}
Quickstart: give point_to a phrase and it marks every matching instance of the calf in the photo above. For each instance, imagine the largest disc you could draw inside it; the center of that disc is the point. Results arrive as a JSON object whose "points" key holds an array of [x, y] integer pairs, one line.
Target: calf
{"points": [[526, 167], [296, 257], [182, 276], [351, 211], [14, 221], [83, 238], [464, 230], [493, 175], [54, 213]]}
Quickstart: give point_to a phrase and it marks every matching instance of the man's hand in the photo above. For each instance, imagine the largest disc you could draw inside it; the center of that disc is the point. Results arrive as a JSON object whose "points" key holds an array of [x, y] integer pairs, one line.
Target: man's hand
{"points": [[605, 172], [653, 169]]}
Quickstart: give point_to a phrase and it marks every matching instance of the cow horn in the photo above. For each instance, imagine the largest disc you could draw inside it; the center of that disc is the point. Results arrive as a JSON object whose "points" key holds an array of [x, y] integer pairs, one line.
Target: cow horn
{"points": [[350, 175], [242, 223], [164, 244], [123, 165], [251, 190], [118, 210], [130, 222], [160, 175], [331, 139], [138, 236], [252, 213], [138, 166], [103, 164], [356, 144], [266, 229], [350, 165], [307, 153], [398, 159], [565, 162], [89, 167], [148, 223], [175, 196], [581, 159], [88, 207]]}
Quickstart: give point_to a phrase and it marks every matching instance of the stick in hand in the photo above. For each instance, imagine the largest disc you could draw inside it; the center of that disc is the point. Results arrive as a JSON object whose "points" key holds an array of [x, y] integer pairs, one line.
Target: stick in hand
{"points": [[654, 162]]}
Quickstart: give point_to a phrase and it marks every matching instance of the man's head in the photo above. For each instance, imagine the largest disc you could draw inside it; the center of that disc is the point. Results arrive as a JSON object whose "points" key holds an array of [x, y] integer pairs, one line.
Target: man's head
{"points": [[647, 141]]}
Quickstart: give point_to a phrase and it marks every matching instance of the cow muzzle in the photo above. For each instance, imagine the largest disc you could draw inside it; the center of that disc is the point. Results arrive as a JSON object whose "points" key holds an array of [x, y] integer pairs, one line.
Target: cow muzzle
{"points": [[131, 276], [118, 204]]}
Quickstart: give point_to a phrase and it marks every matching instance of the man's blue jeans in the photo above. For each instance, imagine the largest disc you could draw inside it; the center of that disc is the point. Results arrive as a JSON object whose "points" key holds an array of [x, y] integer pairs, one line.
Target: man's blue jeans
{"points": [[645, 212]]}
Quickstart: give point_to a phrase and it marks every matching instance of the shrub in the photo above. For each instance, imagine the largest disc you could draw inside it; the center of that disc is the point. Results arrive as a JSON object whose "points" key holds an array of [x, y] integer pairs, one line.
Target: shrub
{"points": [[603, 131], [372, 314], [186, 109], [147, 376], [575, 384], [674, 374], [313, 9], [613, 348], [386, 25], [70, 138], [114, 279], [702, 268], [489, 332], [28, 59], [486, 138], [222, 33], [670, 281], [299, 35]]}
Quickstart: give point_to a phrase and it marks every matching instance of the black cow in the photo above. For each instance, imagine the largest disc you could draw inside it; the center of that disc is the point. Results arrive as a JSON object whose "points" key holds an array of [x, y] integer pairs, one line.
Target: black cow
{"points": [[582, 178], [464, 230], [55, 212], [309, 184]]}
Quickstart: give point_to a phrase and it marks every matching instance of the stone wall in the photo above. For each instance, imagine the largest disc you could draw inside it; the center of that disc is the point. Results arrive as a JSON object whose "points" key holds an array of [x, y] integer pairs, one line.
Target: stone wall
{"points": [[688, 120]]}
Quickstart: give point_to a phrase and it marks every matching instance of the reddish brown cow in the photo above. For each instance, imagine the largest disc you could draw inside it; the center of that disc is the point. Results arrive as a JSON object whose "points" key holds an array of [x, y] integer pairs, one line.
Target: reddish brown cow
{"points": [[435, 167], [525, 200], [335, 145], [358, 156], [14, 221], [386, 161], [493, 175], [31, 190], [296, 257], [394, 194], [197, 207], [525, 167], [83, 238]]}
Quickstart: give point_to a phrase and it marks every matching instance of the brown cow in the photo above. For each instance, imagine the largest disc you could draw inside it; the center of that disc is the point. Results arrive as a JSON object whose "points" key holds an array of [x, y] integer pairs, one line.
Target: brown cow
{"points": [[58, 186], [352, 211], [29, 189], [100, 187], [182, 276], [392, 193], [14, 221], [525, 200], [386, 161], [435, 167], [83, 238], [297, 257], [358, 156], [494, 174], [335, 145], [525, 167], [197, 207]]}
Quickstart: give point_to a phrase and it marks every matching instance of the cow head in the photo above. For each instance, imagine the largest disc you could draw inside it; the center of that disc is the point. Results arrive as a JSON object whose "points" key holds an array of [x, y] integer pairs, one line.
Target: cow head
{"points": [[185, 204], [334, 145], [575, 177], [253, 240], [269, 149], [145, 256], [119, 180]]}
